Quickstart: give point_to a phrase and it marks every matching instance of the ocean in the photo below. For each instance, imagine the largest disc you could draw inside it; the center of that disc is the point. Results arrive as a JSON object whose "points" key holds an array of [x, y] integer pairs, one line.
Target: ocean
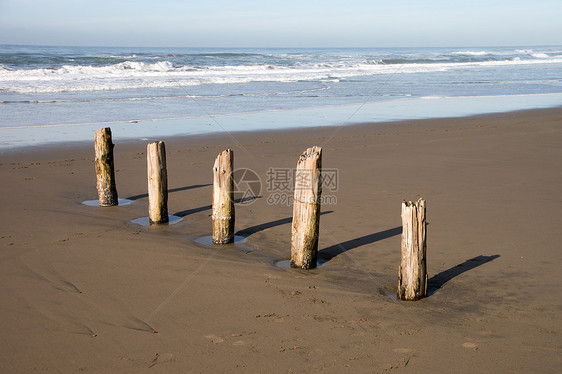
{"points": [[64, 94]]}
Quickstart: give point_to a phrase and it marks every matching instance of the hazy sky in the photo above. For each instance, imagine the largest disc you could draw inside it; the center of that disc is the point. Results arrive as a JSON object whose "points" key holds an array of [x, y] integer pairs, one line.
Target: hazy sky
{"points": [[287, 23]]}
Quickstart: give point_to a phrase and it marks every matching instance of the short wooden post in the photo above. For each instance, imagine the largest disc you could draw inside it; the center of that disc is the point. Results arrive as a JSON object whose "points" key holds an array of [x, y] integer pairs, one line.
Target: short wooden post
{"points": [[223, 194], [105, 171], [306, 209], [412, 276], [157, 182]]}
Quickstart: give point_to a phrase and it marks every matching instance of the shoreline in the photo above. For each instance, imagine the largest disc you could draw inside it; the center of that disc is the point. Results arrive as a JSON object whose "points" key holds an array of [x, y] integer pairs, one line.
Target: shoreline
{"points": [[233, 135], [86, 289], [393, 110]]}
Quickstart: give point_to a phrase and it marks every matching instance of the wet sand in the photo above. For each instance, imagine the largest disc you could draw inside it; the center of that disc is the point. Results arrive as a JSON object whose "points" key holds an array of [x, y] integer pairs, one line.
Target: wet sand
{"points": [[84, 289]]}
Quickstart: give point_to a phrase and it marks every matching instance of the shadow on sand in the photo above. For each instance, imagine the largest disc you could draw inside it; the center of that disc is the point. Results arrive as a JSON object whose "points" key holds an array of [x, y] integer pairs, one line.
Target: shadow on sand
{"points": [[327, 254], [141, 196], [438, 280], [264, 226], [187, 212]]}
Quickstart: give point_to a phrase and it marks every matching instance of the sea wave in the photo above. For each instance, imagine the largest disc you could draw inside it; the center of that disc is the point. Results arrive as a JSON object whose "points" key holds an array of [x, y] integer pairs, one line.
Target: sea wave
{"points": [[539, 55], [132, 74], [471, 53]]}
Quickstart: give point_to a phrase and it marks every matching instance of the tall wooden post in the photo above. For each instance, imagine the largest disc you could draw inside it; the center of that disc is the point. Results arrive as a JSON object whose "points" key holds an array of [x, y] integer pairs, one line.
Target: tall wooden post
{"points": [[157, 182], [223, 195], [306, 209], [105, 171], [412, 276]]}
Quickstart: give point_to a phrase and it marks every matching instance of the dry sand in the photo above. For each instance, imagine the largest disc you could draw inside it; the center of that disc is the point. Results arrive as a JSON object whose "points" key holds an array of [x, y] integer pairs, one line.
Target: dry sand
{"points": [[85, 290]]}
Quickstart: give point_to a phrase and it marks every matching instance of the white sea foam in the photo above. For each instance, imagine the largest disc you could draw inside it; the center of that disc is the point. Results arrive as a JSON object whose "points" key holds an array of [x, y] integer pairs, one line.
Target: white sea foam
{"points": [[164, 74], [539, 55], [471, 53], [532, 53]]}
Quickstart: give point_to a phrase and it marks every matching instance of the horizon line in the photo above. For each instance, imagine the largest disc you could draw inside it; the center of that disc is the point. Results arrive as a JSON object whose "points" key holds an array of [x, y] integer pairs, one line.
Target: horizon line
{"points": [[283, 47]]}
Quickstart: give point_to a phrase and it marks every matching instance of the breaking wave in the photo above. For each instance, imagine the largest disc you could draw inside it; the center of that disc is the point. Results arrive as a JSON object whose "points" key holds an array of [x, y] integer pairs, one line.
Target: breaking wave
{"points": [[132, 74]]}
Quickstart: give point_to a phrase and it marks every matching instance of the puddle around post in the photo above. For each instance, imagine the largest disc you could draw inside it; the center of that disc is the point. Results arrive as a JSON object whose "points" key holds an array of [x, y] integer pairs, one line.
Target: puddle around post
{"points": [[145, 221], [97, 203], [287, 263], [208, 240]]}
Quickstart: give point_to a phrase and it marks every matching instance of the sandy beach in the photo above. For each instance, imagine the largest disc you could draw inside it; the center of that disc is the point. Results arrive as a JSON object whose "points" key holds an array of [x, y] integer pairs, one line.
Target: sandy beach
{"points": [[84, 289]]}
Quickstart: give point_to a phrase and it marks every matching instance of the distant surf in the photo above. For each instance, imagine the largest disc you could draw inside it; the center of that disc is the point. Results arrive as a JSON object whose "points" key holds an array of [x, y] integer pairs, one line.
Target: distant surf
{"points": [[53, 73]]}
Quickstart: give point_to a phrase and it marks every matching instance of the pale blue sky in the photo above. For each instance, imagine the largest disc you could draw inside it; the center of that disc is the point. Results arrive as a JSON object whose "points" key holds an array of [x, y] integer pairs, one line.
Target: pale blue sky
{"points": [[287, 23]]}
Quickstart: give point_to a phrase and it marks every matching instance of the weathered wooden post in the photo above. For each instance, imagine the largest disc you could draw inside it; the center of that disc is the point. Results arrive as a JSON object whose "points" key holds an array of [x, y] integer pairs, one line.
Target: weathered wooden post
{"points": [[412, 276], [223, 194], [105, 171], [157, 182], [306, 209]]}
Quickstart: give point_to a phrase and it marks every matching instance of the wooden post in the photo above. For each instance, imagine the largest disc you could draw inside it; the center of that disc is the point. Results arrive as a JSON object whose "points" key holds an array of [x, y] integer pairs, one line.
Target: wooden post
{"points": [[223, 195], [105, 171], [157, 182], [306, 209], [412, 276]]}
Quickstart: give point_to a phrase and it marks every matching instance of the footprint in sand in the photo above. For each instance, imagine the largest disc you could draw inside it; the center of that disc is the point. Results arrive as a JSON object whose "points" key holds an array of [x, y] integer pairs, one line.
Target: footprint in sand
{"points": [[215, 339], [161, 358]]}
